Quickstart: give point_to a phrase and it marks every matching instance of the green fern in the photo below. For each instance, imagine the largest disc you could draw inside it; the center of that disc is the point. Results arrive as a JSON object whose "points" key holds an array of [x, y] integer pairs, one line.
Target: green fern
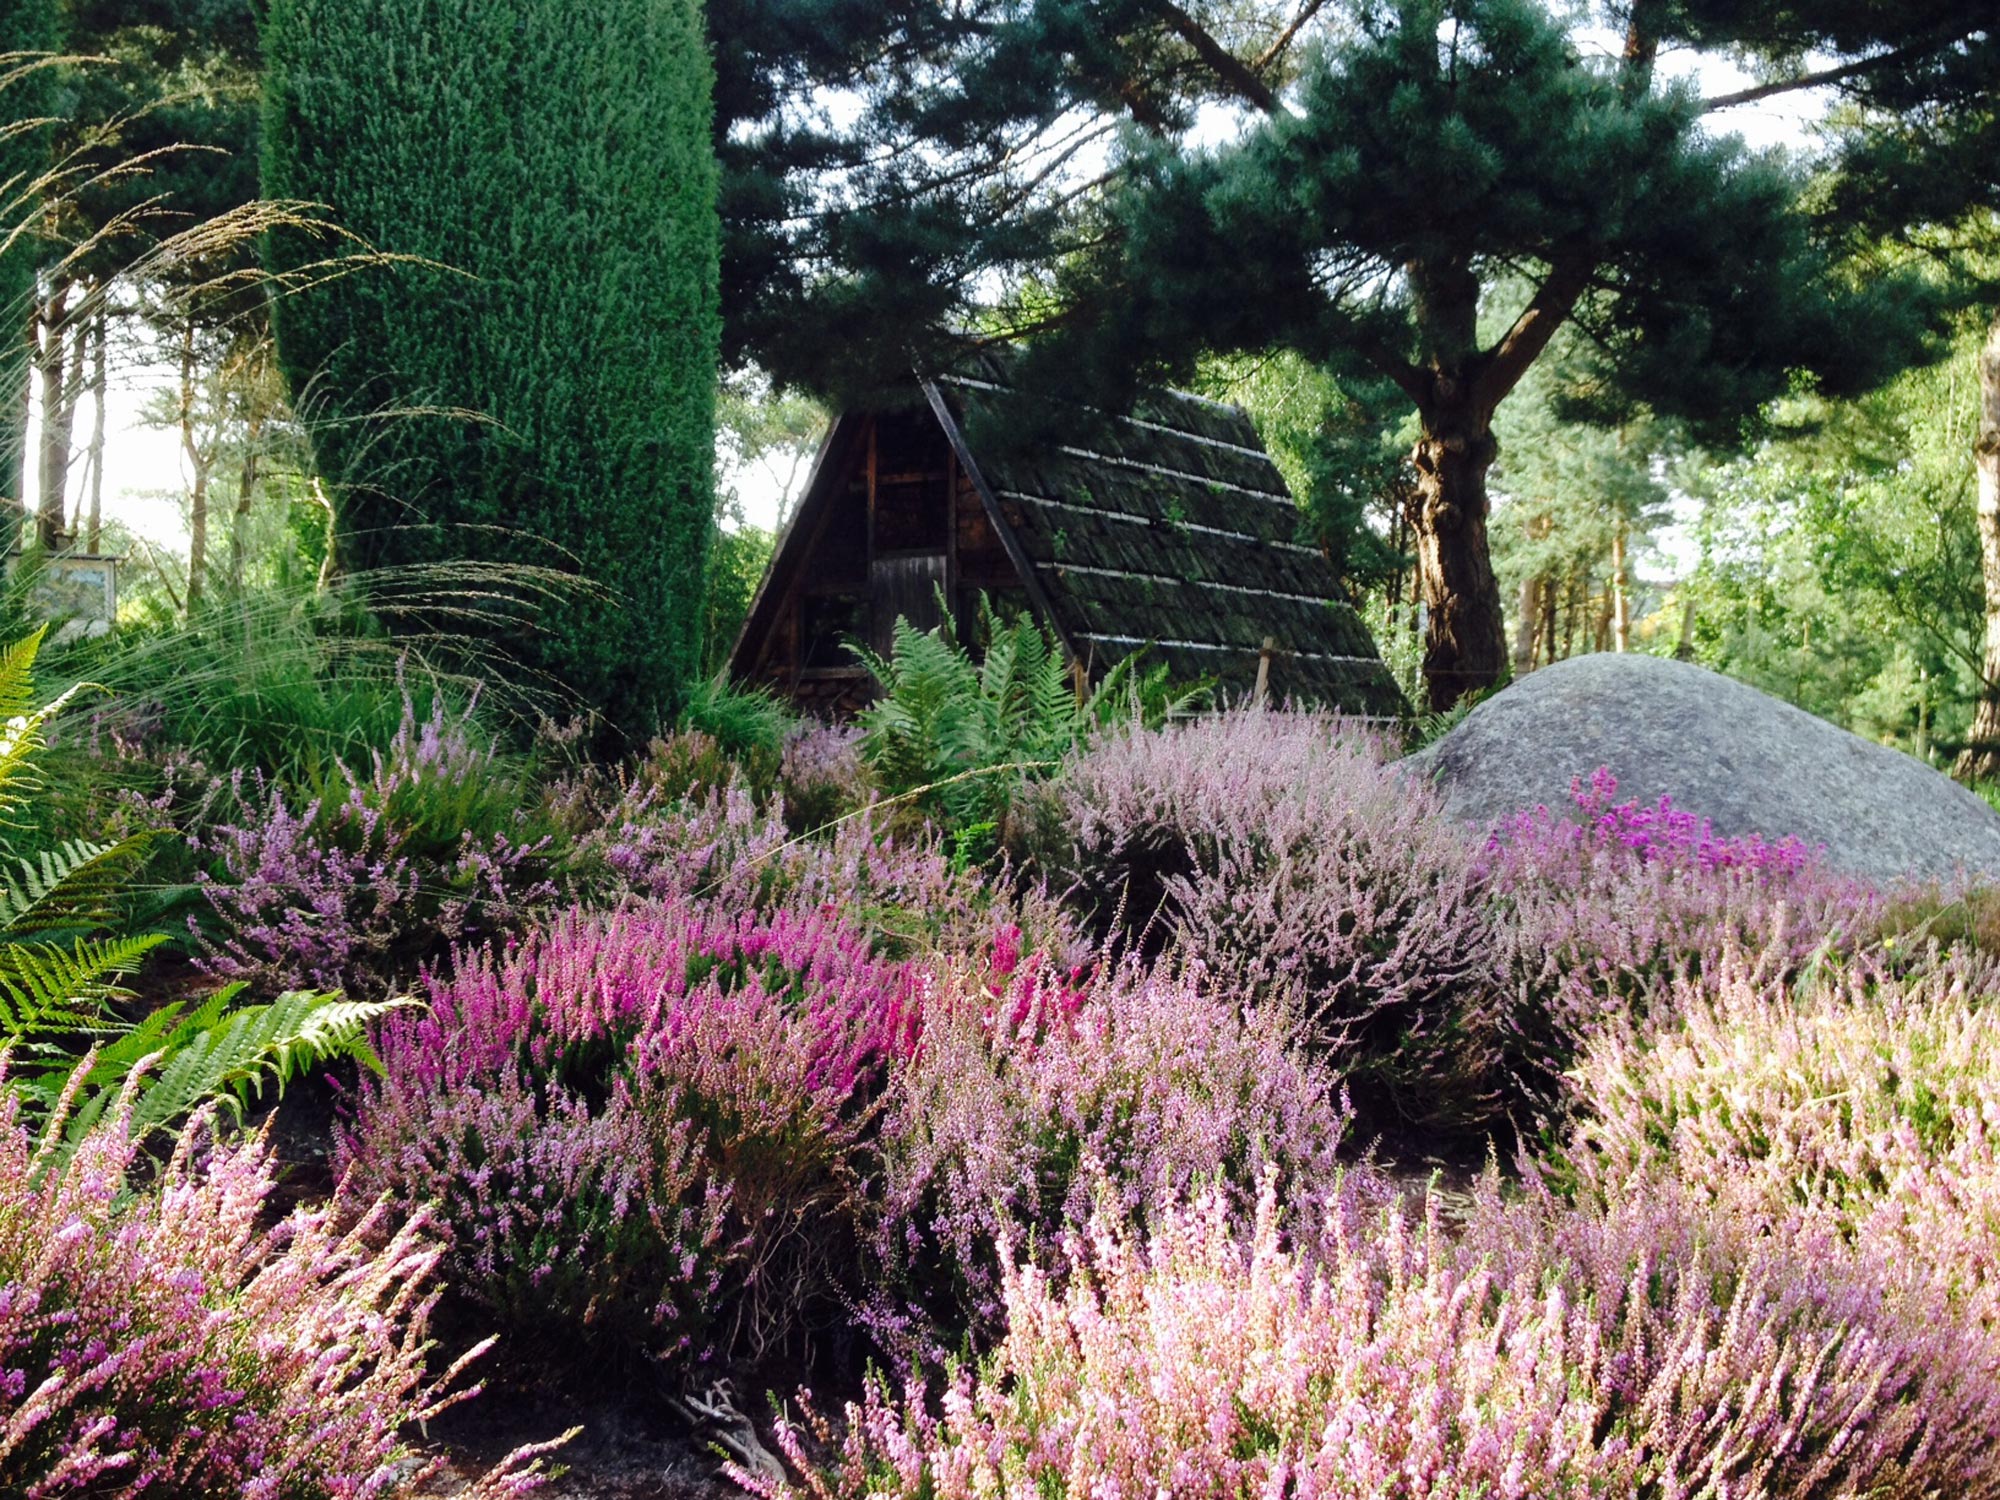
{"points": [[958, 737], [62, 963], [218, 1051]]}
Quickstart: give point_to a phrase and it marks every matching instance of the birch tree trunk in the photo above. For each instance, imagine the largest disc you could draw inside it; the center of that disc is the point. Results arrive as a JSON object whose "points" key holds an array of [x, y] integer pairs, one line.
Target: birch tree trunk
{"points": [[100, 390], [199, 460], [54, 446], [1980, 760]]}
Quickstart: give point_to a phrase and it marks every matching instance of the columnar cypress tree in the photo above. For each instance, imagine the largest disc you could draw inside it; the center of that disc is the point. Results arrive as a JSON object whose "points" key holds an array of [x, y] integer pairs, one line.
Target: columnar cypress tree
{"points": [[550, 163]]}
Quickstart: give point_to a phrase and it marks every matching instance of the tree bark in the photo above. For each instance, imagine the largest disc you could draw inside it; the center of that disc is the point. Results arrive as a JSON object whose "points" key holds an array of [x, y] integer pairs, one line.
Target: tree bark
{"points": [[1465, 644], [199, 461], [1980, 760], [246, 494], [1465, 640], [1528, 629], [54, 457], [100, 391], [1621, 593]]}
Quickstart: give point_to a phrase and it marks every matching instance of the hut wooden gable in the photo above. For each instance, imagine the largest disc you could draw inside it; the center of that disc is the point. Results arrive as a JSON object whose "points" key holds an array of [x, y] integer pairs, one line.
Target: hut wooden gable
{"points": [[1167, 530]]}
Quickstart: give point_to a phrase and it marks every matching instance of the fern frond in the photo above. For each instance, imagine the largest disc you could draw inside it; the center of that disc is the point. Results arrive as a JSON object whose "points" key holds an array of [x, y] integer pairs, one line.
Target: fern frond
{"points": [[218, 1051], [72, 888], [45, 988], [17, 674]]}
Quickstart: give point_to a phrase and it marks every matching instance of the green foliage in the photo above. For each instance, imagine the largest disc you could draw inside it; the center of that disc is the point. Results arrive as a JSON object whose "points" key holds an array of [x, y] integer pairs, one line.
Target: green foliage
{"points": [[958, 736], [1839, 561], [737, 560], [62, 961], [536, 381], [747, 723], [292, 680], [1344, 449]]}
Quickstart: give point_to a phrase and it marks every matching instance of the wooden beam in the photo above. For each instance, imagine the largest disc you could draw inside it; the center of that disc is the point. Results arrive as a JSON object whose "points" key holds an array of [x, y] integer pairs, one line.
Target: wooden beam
{"points": [[1016, 554]]}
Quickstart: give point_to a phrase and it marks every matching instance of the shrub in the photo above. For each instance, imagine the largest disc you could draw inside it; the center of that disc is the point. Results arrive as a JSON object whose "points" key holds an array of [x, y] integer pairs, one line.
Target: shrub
{"points": [[1281, 854], [1035, 1095], [723, 846], [158, 1343], [749, 723], [1556, 1355], [547, 180], [1867, 1104], [638, 1129], [355, 887], [821, 776], [1600, 916]]}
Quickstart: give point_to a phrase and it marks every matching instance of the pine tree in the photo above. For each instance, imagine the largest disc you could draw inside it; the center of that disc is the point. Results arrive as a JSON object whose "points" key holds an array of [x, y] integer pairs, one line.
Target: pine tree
{"points": [[1426, 165], [538, 383]]}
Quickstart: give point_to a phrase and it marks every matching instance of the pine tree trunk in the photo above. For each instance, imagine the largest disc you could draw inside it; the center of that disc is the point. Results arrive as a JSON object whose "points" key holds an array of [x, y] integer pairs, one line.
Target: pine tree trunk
{"points": [[1621, 593], [1980, 760], [1528, 629]]}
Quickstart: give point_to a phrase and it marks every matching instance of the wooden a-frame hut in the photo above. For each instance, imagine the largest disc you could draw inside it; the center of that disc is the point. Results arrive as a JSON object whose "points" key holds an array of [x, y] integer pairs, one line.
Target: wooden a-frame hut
{"points": [[1168, 530]]}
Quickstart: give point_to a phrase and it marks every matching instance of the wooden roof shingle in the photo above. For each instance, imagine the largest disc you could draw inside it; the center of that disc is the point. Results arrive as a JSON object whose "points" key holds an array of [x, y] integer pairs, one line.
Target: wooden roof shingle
{"points": [[1168, 529]]}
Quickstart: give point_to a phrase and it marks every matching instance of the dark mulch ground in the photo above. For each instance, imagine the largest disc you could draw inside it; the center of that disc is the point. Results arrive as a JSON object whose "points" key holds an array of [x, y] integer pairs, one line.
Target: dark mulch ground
{"points": [[628, 1450]]}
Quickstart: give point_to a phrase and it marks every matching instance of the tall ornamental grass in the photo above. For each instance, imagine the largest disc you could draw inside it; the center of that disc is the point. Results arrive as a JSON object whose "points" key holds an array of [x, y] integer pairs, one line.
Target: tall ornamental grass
{"points": [[160, 1342]]}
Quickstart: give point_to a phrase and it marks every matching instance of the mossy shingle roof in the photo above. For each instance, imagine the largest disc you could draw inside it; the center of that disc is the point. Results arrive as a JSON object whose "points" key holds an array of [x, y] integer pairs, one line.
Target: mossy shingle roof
{"points": [[1169, 529]]}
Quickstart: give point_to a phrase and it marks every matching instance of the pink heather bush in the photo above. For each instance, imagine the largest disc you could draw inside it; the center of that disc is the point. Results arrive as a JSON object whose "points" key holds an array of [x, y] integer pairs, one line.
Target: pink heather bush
{"points": [[639, 1128], [724, 847], [1865, 1104], [1599, 917], [821, 775], [1286, 858], [350, 890], [157, 1343], [1553, 1355], [1034, 1097]]}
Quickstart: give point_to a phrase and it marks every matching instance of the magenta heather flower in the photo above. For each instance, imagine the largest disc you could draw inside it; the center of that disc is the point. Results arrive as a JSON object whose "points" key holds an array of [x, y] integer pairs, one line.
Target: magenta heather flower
{"points": [[1598, 918], [640, 1127]]}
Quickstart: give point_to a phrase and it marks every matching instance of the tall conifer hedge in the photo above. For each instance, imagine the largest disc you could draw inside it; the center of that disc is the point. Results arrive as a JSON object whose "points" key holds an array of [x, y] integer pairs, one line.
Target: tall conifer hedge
{"points": [[550, 161]]}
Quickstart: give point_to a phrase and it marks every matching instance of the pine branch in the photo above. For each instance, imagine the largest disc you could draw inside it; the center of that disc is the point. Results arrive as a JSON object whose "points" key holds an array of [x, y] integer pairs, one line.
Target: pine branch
{"points": [[1502, 369], [1861, 68], [1229, 69]]}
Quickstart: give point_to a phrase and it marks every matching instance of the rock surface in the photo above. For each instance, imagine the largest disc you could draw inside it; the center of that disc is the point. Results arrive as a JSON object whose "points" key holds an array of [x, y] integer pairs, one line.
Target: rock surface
{"points": [[1741, 758]]}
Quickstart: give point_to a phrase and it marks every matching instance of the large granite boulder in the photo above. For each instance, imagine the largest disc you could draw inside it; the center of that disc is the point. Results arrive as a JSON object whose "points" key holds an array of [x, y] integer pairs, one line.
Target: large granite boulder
{"points": [[1739, 757]]}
